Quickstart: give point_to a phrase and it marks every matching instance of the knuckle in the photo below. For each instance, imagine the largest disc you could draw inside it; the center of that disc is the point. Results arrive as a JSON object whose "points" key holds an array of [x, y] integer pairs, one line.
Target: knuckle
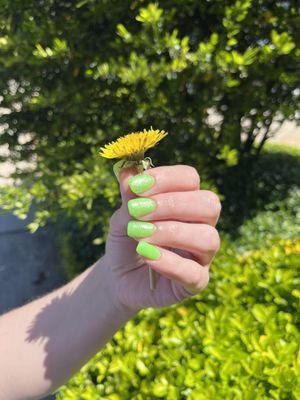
{"points": [[214, 203], [170, 202], [173, 229], [203, 280], [193, 176], [212, 237]]}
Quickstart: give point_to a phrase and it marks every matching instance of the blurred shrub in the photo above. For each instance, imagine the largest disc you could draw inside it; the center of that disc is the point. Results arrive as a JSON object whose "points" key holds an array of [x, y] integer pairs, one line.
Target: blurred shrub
{"points": [[280, 223], [269, 184], [238, 340], [77, 74]]}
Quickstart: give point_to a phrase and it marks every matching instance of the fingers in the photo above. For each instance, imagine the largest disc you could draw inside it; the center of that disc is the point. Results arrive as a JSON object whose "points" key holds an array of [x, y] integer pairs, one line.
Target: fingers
{"points": [[175, 178], [201, 240], [174, 213], [182, 270], [200, 206]]}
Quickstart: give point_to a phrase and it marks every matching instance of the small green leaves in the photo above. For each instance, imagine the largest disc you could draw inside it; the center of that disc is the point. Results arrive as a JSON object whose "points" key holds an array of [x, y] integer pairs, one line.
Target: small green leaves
{"points": [[58, 48], [234, 342], [123, 33], [230, 156], [150, 15], [283, 42]]}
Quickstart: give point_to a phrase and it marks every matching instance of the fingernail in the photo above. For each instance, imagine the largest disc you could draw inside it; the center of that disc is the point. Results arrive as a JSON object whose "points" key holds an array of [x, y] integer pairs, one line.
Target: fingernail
{"points": [[140, 183], [140, 229], [147, 250], [140, 206]]}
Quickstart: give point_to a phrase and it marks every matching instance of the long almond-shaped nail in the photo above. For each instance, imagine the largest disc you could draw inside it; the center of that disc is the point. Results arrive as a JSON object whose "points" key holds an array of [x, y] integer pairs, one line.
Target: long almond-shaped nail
{"points": [[140, 229], [140, 206], [140, 183], [147, 250]]}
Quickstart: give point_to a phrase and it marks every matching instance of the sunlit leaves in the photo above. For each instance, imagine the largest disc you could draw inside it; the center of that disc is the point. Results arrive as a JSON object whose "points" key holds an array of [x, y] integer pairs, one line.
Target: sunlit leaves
{"points": [[283, 42], [234, 341], [123, 33], [150, 15], [59, 48]]}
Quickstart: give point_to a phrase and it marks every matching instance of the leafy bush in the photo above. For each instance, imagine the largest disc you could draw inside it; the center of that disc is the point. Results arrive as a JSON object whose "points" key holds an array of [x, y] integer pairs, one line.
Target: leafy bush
{"points": [[266, 226], [238, 340], [77, 74]]}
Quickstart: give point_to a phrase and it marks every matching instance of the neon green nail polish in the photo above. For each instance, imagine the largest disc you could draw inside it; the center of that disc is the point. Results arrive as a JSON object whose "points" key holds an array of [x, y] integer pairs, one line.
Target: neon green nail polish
{"points": [[147, 250], [140, 206], [140, 229], [140, 183]]}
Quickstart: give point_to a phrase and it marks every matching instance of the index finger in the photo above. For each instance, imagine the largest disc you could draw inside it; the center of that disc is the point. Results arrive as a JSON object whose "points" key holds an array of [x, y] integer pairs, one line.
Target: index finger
{"points": [[174, 178]]}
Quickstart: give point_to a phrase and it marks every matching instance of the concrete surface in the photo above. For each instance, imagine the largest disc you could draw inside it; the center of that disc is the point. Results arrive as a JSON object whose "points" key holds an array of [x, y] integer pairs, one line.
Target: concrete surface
{"points": [[29, 265]]}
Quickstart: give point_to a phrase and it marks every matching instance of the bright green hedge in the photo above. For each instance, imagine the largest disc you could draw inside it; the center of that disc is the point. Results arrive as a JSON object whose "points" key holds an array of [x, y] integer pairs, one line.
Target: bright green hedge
{"points": [[238, 340]]}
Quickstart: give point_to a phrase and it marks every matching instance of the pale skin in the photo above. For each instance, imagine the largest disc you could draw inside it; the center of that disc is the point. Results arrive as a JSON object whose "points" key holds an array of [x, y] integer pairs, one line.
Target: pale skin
{"points": [[43, 343]]}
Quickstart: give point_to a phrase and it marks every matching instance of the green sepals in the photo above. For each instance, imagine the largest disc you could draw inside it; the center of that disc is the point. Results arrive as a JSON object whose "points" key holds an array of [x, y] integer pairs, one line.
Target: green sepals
{"points": [[141, 165]]}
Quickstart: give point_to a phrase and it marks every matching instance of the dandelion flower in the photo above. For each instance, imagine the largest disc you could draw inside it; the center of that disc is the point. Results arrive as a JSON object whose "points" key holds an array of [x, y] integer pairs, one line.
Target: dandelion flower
{"points": [[131, 149], [133, 145]]}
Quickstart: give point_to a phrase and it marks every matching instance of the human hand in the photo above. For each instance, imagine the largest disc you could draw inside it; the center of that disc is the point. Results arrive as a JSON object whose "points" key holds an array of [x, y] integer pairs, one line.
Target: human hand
{"points": [[184, 236]]}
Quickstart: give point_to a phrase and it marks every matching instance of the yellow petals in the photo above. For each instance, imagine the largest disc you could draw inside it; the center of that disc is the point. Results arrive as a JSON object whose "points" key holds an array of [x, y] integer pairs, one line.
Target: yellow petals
{"points": [[133, 145]]}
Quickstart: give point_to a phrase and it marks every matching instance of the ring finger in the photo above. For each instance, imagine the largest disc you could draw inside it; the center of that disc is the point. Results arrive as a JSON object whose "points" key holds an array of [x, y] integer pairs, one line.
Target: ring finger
{"points": [[193, 276], [199, 239]]}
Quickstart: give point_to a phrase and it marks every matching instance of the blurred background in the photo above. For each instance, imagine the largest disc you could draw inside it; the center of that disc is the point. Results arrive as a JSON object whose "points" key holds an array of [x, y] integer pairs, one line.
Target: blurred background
{"points": [[223, 78]]}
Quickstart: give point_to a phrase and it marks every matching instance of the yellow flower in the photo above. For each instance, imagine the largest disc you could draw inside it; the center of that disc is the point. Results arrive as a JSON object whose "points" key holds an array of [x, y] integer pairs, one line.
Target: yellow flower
{"points": [[133, 145]]}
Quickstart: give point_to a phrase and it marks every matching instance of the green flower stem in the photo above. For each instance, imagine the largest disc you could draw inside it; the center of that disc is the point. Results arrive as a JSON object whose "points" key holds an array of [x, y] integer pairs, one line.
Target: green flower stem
{"points": [[147, 164]]}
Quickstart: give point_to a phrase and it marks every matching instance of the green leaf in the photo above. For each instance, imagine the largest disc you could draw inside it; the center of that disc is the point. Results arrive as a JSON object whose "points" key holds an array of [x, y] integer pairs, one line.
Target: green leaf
{"points": [[150, 15]]}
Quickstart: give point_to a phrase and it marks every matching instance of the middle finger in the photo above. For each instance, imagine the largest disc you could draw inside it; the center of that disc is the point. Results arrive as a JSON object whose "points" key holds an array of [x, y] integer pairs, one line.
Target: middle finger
{"points": [[197, 206]]}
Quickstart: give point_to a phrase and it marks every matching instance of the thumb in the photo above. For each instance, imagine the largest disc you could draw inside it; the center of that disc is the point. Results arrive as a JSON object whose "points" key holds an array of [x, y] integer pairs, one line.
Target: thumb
{"points": [[125, 190]]}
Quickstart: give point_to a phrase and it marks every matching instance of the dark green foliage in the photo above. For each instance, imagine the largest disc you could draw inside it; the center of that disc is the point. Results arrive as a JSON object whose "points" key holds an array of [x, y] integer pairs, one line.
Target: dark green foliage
{"points": [[77, 74], [269, 184], [78, 248]]}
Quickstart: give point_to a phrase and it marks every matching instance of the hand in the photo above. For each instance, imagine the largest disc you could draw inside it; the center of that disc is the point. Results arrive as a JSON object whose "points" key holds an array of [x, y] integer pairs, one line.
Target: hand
{"points": [[185, 237]]}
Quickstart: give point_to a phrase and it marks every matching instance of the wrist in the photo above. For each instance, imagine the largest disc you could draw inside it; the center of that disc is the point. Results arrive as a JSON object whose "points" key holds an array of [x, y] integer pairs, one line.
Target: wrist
{"points": [[109, 286]]}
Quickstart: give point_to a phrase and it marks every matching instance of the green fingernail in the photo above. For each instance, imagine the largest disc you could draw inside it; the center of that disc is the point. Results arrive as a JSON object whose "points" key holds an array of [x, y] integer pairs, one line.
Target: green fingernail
{"points": [[140, 183], [140, 229], [140, 206], [147, 250]]}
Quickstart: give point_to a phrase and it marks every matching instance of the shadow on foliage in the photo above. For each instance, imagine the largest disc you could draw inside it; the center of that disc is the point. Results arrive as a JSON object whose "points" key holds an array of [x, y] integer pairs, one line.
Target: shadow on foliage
{"points": [[257, 186]]}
